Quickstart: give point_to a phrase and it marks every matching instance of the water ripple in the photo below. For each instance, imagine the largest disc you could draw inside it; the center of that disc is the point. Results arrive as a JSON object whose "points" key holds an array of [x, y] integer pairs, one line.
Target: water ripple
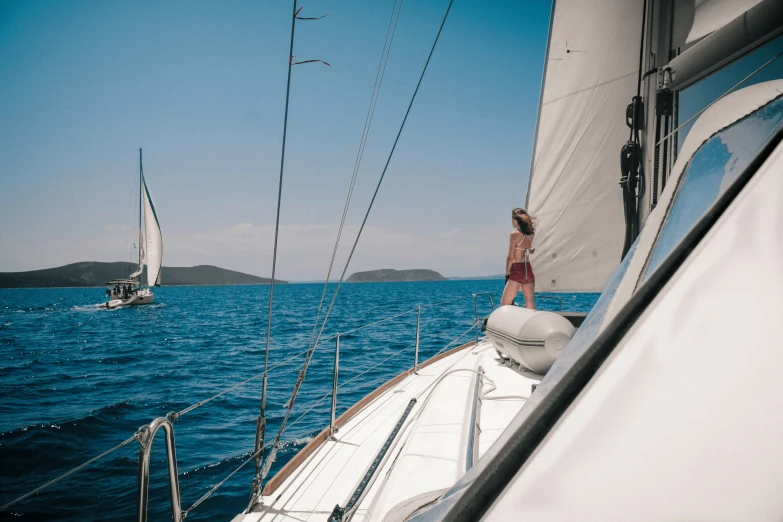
{"points": [[77, 379]]}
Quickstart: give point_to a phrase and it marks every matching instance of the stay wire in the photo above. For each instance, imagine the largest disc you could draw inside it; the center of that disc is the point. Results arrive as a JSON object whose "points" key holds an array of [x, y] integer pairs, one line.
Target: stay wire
{"points": [[383, 174], [277, 217], [379, 74], [234, 387], [300, 417], [273, 453]]}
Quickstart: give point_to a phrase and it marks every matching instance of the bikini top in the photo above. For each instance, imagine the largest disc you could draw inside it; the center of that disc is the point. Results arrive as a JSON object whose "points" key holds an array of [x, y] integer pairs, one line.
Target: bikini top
{"points": [[525, 251]]}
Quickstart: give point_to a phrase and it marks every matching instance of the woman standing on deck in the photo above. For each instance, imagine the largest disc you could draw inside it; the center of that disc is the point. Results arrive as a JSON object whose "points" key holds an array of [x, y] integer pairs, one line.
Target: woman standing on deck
{"points": [[519, 271]]}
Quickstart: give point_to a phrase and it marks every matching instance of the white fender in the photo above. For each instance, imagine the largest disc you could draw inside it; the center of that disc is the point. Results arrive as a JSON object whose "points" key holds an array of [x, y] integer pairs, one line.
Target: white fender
{"points": [[532, 338]]}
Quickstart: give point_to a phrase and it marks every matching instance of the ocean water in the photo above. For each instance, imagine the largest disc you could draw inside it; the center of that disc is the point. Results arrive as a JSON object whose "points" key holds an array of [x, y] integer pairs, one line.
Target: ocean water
{"points": [[76, 380]]}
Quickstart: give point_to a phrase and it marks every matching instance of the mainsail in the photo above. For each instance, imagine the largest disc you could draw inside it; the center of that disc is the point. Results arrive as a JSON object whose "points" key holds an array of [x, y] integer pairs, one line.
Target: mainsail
{"points": [[591, 74], [153, 240]]}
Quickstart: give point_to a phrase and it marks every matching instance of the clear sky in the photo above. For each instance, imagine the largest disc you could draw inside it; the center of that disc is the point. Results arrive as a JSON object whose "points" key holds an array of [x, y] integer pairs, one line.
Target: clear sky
{"points": [[200, 85]]}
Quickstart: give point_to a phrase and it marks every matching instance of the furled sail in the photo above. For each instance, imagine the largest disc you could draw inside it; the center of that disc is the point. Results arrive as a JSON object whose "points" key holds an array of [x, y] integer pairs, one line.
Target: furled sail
{"points": [[711, 15], [590, 76], [153, 239]]}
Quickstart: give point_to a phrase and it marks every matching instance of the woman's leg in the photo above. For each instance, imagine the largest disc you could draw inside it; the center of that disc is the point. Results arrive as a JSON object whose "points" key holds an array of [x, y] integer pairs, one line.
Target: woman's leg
{"points": [[509, 292], [528, 292]]}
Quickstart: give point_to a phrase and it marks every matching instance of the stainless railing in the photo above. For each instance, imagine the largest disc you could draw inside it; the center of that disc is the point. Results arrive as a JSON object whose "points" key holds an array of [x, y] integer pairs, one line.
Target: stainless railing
{"points": [[475, 310], [145, 436], [553, 298], [146, 433]]}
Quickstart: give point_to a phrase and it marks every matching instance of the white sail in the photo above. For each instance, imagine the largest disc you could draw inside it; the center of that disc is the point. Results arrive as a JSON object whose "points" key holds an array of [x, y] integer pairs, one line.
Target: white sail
{"points": [[153, 240], [138, 271], [590, 76]]}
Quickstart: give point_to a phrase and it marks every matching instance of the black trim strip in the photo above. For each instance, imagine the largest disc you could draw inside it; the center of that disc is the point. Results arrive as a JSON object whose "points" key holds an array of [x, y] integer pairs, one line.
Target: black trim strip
{"points": [[338, 513], [538, 343], [487, 487], [474, 430]]}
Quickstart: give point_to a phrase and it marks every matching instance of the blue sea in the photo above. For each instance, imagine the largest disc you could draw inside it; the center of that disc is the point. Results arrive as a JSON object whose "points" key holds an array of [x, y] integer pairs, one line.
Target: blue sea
{"points": [[76, 380]]}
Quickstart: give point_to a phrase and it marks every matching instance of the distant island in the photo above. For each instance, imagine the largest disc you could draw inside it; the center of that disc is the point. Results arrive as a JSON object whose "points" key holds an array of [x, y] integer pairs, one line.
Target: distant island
{"points": [[389, 275], [93, 273]]}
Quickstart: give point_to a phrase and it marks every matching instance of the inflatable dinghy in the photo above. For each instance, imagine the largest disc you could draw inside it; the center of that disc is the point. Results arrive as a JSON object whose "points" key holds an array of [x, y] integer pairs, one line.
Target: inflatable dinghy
{"points": [[533, 338]]}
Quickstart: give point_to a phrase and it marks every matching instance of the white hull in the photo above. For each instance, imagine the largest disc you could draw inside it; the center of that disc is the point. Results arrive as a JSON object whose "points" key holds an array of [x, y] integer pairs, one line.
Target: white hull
{"points": [[142, 298]]}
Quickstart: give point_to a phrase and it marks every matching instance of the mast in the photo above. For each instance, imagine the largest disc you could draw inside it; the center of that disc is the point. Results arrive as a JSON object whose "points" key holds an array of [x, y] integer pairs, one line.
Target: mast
{"points": [[141, 186]]}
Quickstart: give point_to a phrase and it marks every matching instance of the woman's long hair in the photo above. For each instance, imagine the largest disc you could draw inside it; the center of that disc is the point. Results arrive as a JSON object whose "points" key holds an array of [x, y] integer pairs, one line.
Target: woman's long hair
{"points": [[526, 228]]}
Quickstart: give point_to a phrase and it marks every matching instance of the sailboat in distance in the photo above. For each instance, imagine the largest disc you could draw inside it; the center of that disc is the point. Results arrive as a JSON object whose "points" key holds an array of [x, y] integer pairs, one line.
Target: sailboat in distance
{"points": [[132, 291]]}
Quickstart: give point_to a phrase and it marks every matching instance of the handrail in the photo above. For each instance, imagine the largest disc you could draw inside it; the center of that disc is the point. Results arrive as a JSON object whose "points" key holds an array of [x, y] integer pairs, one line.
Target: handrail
{"points": [[146, 434], [173, 416], [475, 430], [554, 298], [475, 310], [387, 319]]}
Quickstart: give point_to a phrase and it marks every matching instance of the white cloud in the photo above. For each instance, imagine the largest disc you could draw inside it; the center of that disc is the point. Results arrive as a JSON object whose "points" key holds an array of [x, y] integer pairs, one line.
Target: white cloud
{"points": [[304, 251]]}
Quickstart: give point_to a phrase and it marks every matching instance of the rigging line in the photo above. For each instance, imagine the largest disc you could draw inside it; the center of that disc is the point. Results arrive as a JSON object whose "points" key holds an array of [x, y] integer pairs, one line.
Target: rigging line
{"points": [[300, 469], [308, 410], [387, 319], [232, 388], [179, 414], [74, 470], [365, 132], [455, 340], [748, 77], [397, 353], [273, 453], [215, 488], [383, 173], [641, 49], [277, 218]]}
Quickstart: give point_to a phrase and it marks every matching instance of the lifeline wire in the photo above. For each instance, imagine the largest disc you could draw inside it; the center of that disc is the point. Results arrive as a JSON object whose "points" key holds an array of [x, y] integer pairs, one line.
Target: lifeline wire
{"points": [[748, 77], [64, 475], [299, 470], [387, 319], [311, 408], [273, 453], [128, 441]]}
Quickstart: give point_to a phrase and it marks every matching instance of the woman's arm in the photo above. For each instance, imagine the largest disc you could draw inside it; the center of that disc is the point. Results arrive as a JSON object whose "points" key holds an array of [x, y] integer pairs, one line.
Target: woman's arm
{"points": [[510, 256]]}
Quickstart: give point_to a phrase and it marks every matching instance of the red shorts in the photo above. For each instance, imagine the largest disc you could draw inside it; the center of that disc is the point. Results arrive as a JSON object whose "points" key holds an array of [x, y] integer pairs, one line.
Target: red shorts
{"points": [[522, 273]]}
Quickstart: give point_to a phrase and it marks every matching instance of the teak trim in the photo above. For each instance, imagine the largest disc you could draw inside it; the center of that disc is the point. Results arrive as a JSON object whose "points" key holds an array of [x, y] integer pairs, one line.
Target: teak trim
{"points": [[323, 436]]}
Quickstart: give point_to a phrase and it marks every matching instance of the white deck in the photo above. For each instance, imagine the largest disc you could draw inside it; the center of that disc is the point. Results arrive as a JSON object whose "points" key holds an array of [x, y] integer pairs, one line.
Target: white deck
{"points": [[430, 453]]}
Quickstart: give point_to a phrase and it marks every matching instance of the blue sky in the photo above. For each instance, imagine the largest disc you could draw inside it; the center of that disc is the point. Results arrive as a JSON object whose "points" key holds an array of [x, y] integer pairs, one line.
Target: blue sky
{"points": [[201, 86]]}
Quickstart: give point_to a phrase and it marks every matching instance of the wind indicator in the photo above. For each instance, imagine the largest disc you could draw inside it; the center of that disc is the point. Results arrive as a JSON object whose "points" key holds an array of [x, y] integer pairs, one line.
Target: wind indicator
{"points": [[297, 17]]}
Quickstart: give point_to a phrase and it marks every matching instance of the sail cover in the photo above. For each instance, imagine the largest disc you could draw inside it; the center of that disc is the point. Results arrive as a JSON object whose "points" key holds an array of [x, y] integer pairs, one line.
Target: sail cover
{"points": [[153, 239], [590, 76]]}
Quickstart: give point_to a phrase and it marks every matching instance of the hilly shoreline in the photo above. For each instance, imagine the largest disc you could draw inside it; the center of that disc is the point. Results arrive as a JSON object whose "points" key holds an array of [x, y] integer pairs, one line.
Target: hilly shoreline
{"points": [[389, 275], [94, 273]]}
